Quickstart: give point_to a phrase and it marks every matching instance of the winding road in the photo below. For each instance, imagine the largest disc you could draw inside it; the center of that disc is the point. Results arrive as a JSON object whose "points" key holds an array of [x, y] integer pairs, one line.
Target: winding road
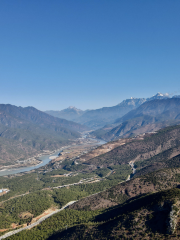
{"points": [[36, 223], [58, 210]]}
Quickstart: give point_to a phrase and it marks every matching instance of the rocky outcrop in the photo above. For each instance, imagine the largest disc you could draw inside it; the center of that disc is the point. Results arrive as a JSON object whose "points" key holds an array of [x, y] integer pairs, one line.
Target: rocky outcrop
{"points": [[173, 217]]}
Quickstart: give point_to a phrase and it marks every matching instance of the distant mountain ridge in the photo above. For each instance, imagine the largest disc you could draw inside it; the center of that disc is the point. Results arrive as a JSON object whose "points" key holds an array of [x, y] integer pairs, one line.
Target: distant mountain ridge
{"points": [[148, 117], [99, 117], [163, 108], [176, 96], [69, 113], [132, 101]]}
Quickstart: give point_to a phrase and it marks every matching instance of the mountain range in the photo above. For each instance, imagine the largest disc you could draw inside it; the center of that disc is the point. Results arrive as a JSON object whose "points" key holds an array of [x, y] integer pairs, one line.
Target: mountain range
{"points": [[125, 189], [97, 118], [149, 117], [24, 132]]}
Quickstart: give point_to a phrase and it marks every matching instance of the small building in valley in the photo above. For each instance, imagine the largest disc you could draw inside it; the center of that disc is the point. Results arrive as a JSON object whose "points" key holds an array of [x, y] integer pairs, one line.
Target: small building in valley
{"points": [[3, 191]]}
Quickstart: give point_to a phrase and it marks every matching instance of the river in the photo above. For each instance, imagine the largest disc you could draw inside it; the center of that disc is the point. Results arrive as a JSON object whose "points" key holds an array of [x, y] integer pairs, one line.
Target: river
{"points": [[45, 160]]}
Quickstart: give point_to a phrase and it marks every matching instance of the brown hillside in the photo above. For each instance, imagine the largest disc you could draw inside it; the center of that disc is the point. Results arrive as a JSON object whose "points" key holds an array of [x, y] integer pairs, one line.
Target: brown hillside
{"points": [[153, 182], [140, 149]]}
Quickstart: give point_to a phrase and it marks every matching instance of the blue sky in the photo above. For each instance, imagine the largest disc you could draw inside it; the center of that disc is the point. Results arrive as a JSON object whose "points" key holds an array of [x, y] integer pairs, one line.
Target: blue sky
{"points": [[88, 54]]}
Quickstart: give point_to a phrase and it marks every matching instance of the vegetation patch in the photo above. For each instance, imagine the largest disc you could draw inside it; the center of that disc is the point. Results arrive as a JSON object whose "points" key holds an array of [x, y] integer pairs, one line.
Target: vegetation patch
{"points": [[25, 215]]}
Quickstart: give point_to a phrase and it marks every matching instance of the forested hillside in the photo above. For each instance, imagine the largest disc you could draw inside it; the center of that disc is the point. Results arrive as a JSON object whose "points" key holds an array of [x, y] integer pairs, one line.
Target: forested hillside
{"points": [[121, 208], [24, 132]]}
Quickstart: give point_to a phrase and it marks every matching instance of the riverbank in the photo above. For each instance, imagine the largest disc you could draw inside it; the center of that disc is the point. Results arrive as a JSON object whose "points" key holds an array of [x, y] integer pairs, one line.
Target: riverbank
{"points": [[30, 162], [43, 159], [46, 157]]}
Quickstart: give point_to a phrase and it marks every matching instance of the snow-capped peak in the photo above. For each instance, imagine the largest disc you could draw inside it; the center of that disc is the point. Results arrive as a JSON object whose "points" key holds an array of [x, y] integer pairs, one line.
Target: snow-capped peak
{"points": [[72, 107], [159, 96]]}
